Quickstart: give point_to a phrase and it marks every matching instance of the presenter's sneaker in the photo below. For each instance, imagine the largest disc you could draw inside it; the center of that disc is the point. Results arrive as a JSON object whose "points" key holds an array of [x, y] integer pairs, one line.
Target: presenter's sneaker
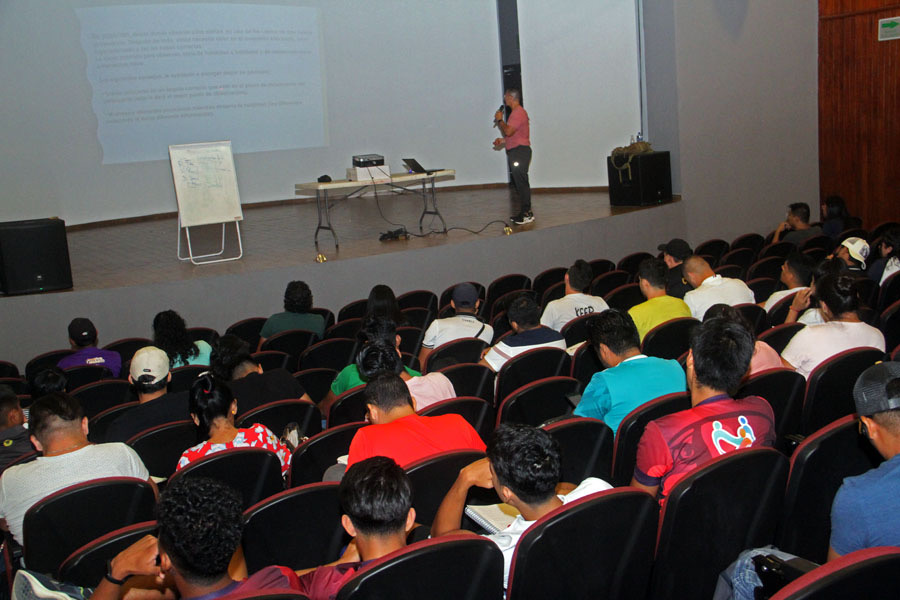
{"points": [[523, 218]]}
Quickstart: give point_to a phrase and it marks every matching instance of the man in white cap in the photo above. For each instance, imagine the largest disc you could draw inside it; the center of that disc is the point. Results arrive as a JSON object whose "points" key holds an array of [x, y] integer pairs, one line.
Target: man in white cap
{"points": [[854, 251], [150, 377], [465, 323]]}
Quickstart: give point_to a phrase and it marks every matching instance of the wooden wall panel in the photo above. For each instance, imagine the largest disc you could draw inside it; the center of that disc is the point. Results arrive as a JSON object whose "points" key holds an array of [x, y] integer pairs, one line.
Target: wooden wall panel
{"points": [[859, 108]]}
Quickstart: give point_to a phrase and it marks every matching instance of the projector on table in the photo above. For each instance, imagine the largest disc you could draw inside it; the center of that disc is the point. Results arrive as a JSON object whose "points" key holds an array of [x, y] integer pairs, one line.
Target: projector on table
{"points": [[368, 160]]}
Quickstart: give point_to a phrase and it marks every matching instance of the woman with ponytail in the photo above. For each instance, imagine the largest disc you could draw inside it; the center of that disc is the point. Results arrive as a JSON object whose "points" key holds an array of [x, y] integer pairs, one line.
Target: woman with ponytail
{"points": [[213, 407], [842, 329]]}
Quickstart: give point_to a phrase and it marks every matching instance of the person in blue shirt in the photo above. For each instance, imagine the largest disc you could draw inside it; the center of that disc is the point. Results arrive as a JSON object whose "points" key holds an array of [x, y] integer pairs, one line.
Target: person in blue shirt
{"points": [[630, 378]]}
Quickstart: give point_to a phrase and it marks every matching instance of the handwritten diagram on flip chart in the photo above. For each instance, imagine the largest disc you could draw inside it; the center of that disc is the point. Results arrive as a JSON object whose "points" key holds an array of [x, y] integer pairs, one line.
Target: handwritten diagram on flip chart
{"points": [[205, 183]]}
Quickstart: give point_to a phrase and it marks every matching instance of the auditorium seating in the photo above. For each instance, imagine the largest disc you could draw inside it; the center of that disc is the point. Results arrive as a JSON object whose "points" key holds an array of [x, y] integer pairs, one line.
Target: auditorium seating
{"points": [[347, 328], [432, 476], [254, 472], [818, 467], [276, 415], [279, 529], [499, 287], [313, 457], [539, 401], [87, 565], [614, 565], [476, 411], [161, 447], [292, 342], [868, 573], [543, 280], [711, 515], [684, 565], [248, 330], [829, 388], [348, 407], [316, 382], [462, 350], [529, 366], [66, 520], [460, 566], [585, 446]]}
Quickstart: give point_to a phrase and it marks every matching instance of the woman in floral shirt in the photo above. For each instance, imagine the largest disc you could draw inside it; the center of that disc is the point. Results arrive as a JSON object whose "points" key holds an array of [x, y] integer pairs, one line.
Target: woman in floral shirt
{"points": [[213, 408]]}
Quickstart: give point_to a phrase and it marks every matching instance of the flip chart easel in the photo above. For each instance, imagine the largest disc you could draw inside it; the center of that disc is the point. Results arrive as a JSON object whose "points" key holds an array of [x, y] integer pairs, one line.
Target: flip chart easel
{"points": [[207, 194]]}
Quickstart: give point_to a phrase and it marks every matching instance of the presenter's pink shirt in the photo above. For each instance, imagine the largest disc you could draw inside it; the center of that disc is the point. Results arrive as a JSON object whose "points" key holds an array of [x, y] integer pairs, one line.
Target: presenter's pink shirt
{"points": [[518, 120]]}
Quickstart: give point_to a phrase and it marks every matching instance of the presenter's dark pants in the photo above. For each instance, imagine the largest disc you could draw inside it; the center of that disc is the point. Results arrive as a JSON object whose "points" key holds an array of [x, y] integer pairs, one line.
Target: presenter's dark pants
{"points": [[519, 159]]}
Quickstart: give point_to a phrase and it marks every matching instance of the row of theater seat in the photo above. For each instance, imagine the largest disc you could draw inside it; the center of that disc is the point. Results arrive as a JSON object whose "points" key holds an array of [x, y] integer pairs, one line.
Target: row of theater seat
{"points": [[616, 542]]}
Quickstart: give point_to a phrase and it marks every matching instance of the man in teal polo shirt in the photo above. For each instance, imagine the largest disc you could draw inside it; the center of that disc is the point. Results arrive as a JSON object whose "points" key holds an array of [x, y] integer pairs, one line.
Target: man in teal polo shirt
{"points": [[630, 378]]}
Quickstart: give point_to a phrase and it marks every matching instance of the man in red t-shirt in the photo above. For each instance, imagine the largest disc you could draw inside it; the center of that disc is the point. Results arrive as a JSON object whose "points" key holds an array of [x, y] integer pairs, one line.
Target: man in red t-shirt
{"points": [[516, 139], [399, 433], [674, 445]]}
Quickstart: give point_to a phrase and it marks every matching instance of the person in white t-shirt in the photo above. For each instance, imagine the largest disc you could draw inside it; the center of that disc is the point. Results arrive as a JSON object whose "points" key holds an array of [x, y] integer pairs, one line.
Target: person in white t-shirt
{"points": [[710, 288], [59, 431], [523, 466], [805, 306], [842, 330], [576, 303], [462, 325], [796, 275]]}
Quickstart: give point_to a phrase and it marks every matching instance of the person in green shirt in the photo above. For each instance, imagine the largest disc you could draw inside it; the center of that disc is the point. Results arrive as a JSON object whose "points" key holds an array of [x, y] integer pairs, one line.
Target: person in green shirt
{"points": [[373, 329], [298, 301]]}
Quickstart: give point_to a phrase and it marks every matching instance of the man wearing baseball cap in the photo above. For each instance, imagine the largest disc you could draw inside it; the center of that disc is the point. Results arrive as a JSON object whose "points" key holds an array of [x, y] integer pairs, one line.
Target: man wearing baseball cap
{"points": [[83, 339], [465, 323], [674, 253], [149, 375], [854, 252]]}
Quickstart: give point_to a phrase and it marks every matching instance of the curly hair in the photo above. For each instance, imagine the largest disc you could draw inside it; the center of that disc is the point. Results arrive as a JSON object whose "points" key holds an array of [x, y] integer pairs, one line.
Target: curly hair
{"points": [[170, 334], [200, 525], [228, 352], [526, 460], [298, 297]]}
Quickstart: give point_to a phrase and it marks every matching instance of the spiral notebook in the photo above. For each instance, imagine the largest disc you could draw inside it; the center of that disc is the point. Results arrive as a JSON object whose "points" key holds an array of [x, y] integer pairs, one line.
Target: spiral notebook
{"points": [[492, 517]]}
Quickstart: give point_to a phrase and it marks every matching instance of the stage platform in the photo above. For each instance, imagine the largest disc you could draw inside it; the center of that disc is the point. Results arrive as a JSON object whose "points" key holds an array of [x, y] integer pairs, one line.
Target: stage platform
{"points": [[125, 273]]}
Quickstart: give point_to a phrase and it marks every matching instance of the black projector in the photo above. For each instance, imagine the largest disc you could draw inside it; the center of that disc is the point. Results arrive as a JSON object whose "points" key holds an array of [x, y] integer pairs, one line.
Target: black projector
{"points": [[368, 160]]}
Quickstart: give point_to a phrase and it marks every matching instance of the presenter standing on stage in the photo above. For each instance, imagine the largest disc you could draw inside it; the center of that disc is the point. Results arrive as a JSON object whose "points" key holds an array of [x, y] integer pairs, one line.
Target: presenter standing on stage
{"points": [[518, 151]]}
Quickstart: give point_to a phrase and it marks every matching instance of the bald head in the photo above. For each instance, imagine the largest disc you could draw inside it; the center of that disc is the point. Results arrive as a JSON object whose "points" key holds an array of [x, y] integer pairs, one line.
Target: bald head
{"points": [[696, 270]]}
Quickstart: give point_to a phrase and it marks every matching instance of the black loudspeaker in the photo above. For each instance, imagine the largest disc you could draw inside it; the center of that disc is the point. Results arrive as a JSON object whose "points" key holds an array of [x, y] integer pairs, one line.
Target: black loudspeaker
{"points": [[34, 256], [649, 181]]}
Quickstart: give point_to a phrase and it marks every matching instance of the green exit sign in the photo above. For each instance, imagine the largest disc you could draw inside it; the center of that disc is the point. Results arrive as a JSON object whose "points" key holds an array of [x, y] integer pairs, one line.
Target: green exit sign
{"points": [[889, 29]]}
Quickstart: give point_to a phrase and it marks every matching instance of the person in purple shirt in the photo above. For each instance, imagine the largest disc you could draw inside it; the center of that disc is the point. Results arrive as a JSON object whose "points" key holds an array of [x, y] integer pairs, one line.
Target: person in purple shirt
{"points": [[83, 339]]}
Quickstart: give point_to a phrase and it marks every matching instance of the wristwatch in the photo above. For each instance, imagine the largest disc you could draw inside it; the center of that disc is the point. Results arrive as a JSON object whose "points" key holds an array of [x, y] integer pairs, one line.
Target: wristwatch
{"points": [[109, 577]]}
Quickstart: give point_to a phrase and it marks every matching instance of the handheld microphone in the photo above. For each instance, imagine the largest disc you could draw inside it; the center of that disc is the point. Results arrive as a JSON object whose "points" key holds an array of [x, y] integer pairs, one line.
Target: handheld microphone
{"points": [[502, 106]]}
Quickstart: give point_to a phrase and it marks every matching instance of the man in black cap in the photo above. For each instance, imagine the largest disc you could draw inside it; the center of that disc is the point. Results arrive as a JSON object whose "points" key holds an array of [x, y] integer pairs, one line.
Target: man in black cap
{"points": [[674, 253], [464, 324], [83, 339]]}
